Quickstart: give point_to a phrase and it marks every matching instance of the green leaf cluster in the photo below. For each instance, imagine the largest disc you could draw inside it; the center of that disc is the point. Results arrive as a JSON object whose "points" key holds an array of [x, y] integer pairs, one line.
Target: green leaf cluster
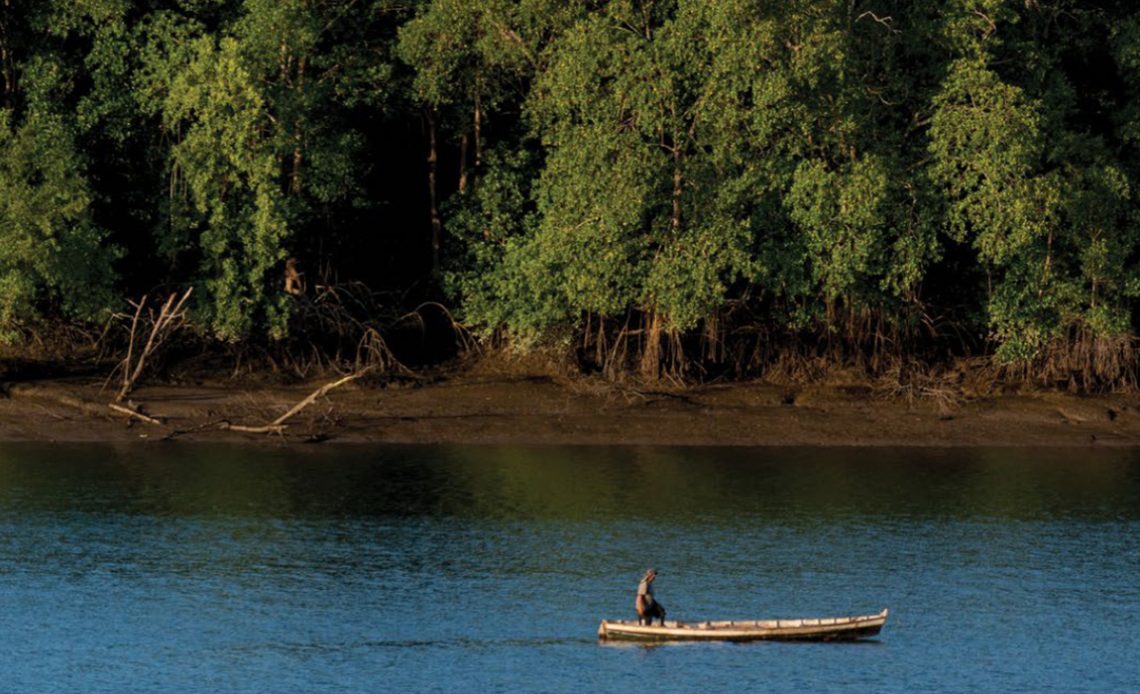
{"points": [[53, 256]]}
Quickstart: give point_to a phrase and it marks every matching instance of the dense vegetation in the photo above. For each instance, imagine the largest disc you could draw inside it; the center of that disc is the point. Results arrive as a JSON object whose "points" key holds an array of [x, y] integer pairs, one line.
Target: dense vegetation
{"points": [[669, 186]]}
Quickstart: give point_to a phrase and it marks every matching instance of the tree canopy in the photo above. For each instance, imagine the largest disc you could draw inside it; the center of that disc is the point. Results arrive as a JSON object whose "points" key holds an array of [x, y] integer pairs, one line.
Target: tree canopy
{"points": [[668, 185]]}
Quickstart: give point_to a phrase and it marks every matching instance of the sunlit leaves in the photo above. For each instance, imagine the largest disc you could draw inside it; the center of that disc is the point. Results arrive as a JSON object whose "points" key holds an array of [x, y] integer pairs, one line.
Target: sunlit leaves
{"points": [[51, 251], [229, 169], [665, 162], [255, 144], [628, 216], [842, 214], [1043, 202]]}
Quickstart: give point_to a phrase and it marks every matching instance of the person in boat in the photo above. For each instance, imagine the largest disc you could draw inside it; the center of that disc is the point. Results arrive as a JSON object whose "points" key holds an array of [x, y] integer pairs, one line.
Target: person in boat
{"points": [[647, 605]]}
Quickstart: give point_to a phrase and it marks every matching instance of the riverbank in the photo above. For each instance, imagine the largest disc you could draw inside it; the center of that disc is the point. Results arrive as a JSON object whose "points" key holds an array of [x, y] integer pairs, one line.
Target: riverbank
{"points": [[477, 407]]}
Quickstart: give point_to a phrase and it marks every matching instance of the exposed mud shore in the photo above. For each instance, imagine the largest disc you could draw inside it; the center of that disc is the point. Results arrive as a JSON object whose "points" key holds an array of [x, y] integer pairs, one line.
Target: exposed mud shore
{"points": [[538, 409]]}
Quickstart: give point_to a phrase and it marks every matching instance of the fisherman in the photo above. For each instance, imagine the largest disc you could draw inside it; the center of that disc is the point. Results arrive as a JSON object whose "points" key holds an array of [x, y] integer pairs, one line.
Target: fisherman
{"points": [[647, 605]]}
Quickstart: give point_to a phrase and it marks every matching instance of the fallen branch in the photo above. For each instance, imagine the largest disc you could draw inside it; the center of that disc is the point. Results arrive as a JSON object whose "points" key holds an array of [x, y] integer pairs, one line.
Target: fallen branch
{"points": [[319, 392], [135, 414], [267, 429], [278, 425]]}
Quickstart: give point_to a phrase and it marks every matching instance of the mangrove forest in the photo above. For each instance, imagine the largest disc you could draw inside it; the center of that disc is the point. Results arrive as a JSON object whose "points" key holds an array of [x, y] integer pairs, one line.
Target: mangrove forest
{"points": [[682, 189]]}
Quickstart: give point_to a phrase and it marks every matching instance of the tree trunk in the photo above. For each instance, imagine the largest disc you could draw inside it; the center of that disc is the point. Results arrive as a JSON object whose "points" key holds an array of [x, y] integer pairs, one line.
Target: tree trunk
{"points": [[647, 19], [433, 197], [5, 56], [1048, 264], [478, 134], [463, 164], [651, 348], [678, 185], [7, 77], [295, 176], [294, 84], [678, 175], [4, 68]]}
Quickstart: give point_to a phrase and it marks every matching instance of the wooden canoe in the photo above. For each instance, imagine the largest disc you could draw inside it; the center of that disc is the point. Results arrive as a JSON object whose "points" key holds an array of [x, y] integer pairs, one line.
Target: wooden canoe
{"points": [[822, 629]]}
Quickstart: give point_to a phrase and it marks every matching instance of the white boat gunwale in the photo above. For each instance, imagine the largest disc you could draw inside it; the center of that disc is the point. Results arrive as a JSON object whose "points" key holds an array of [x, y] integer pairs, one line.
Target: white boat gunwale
{"points": [[822, 628]]}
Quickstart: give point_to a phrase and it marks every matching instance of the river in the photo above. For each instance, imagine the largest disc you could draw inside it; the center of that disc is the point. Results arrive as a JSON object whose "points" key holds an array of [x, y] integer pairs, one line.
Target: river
{"points": [[422, 569]]}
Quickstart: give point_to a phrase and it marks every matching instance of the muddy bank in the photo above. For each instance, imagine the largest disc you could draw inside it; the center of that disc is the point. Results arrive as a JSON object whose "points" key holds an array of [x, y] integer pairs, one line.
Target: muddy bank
{"points": [[539, 409]]}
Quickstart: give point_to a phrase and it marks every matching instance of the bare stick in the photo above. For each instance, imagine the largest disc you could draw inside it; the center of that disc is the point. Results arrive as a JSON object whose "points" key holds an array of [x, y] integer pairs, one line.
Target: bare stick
{"points": [[130, 348]]}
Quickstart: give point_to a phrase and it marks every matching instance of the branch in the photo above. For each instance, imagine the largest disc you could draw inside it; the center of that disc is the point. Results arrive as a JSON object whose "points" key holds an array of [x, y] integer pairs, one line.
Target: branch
{"points": [[134, 414], [169, 319], [510, 35], [992, 26], [885, 21], [278, 425], [130, 349], [319, 392], [267, 429]]}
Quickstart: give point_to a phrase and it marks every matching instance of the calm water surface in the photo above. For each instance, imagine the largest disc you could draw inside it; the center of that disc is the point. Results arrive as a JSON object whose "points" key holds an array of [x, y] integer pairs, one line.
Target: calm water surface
{"points": [[188, 568]]}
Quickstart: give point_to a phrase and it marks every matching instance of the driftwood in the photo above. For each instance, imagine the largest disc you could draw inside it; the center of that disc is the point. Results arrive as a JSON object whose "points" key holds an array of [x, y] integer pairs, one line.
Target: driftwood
{"points": [[170, 317], [135, 414], [266, 429], [318, 393], [278, 425]]}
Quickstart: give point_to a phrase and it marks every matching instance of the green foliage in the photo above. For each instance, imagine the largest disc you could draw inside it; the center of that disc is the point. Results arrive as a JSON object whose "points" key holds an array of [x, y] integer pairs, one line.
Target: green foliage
{"points": [[653, 164], [1044, 201], [257, 153], [51, 251], [464, 51], [483, 224], [229, 171], [619, 223], [841, 214], [987, 145], [818, 152]]}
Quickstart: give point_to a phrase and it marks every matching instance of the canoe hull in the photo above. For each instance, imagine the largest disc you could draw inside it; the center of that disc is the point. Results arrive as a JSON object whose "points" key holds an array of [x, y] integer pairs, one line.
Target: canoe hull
{"points": [[823, 629]]}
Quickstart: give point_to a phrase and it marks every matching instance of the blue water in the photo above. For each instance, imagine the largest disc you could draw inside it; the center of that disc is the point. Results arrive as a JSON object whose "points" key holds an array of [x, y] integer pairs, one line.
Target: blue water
{"points": [[197, 568]]}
